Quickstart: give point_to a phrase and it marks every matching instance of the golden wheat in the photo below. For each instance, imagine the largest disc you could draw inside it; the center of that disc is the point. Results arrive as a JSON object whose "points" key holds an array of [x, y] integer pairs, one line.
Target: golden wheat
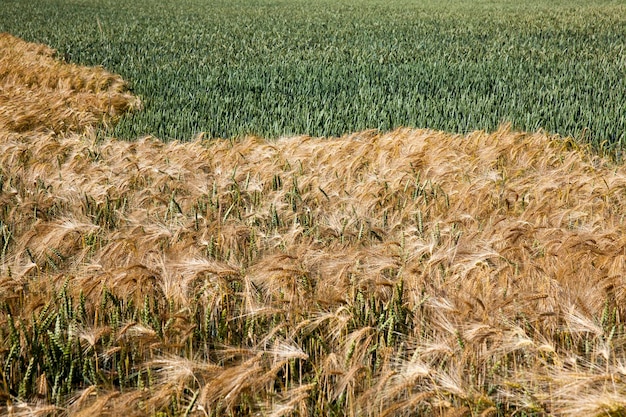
{"points": [[40, 93], [394, 273]]}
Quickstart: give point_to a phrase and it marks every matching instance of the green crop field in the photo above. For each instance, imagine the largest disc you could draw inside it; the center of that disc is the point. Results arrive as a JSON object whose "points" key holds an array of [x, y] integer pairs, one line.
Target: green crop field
{"points": [[323, 68]]}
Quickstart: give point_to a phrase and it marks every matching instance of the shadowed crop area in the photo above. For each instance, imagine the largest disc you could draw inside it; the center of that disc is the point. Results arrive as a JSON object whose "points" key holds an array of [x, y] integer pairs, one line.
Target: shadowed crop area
{"points": [[327, 68], [413, 272]]}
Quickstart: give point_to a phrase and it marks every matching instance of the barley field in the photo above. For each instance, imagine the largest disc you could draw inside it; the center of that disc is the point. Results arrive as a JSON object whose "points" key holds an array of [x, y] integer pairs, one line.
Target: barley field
{"points": [[276, 68], [409, 272]]}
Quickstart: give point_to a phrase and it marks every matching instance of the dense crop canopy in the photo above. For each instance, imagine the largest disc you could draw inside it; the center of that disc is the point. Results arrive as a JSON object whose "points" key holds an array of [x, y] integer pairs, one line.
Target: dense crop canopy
{"points": [[412, 272], [327, 68]]}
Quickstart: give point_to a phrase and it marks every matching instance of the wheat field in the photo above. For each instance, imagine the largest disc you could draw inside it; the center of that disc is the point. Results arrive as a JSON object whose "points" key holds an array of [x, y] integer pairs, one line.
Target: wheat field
{"points": [[411, 272]]}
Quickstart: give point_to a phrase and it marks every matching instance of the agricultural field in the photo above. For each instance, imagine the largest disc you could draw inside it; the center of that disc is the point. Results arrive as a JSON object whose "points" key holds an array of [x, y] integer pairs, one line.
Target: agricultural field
{"points": [[336, 253], [326, 68], [413, 272]]}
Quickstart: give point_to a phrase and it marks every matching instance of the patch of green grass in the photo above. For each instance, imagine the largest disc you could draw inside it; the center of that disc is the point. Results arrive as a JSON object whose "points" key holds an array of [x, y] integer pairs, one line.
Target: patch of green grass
{"points": [[323, 68]]}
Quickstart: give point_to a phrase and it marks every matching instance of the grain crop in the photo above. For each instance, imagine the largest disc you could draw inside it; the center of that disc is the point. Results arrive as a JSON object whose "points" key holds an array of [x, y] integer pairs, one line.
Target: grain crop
{"points": [[39, 93], [232, 68], [413, 272]]}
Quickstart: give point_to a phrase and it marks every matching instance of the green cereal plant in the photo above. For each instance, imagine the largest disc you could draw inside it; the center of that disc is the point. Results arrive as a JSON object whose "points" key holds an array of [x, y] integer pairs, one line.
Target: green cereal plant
{"points": [[325, 68]]}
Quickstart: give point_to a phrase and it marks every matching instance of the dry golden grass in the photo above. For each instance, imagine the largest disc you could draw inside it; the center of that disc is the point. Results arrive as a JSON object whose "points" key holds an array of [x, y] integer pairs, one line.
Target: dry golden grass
{"points": [[402, 273], [40, 93]]}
